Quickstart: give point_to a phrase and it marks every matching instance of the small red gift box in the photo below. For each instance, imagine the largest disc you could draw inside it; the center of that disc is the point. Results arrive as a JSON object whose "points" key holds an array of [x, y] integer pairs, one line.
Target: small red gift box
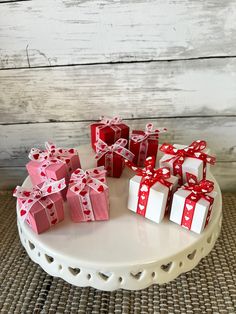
{"points": [[41, 206], [144, 144], [112, 157], [109, 131], [54, 163], [88, 196]]}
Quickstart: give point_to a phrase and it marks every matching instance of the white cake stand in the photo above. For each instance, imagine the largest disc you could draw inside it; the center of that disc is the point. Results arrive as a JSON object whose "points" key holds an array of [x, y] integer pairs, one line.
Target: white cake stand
{"points": [[128, 251]]}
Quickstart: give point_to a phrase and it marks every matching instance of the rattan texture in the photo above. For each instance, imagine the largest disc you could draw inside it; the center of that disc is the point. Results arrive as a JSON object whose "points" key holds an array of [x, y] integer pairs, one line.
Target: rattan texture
{"points": [[26, 288]]}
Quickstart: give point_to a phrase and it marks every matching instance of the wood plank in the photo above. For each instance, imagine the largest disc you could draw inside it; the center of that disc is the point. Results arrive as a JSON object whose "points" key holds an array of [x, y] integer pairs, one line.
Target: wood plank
{"points": [[224, 172], [58, 32], [18, 139], [180, 88]]}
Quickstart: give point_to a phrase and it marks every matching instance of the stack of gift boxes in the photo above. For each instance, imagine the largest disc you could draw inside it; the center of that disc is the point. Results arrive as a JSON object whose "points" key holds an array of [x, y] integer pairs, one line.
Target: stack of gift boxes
{"points": [[178, 189]]}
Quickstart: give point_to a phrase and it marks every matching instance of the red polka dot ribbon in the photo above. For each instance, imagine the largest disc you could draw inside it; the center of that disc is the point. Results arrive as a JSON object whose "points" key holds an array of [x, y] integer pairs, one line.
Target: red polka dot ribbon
{"points": [[198, 191], [195, 150], [29, 197], [118, 147], [113, 123], [148, 134], [149, 177], [80, 183], [52, 155]]}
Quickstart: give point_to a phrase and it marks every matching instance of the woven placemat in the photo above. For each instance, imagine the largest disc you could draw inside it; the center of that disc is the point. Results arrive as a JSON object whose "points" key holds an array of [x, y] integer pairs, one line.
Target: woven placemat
{"points": [[26, 288]]}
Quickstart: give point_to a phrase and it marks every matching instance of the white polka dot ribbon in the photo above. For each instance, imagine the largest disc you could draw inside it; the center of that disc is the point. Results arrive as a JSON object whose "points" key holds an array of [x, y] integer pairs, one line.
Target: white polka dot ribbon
{"points": [[198, 191], [195, 150], [52, 155], [80, 183], [29, 197], [118, 147]]}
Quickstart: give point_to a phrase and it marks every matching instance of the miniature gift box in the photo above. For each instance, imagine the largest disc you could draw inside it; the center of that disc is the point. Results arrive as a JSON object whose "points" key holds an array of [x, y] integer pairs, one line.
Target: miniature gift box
{"points": [[144, 144], [192, 205], [186, 159], [150, 191], [109, 131], [41, 206], [112, 157], [54, 163], [88, 196]]}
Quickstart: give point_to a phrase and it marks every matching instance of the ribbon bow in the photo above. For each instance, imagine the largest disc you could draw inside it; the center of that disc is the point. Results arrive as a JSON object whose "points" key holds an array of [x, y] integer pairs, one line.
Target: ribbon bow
{"points": [[30, 196], [80, 183], [110, 121], [195, 150], [118, 147], [198, 190], [149, 133], [92, 178], [51, 152], [150, 176]]}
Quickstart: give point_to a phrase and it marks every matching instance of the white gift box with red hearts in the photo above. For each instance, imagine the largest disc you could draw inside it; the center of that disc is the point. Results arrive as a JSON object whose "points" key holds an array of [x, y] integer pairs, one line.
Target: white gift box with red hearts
{"points": [[200, 211], [157, 199], [190, 165]]}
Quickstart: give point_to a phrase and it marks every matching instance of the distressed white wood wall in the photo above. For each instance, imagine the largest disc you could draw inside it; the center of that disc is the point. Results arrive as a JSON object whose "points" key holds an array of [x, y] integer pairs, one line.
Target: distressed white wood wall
{"points": [[64, 63]]}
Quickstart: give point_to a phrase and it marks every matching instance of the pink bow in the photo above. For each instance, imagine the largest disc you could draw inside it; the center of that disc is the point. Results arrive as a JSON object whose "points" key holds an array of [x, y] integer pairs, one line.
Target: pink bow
{"points": [[92, 178], [118, 147], [31, 196], [52, 152], [149, 133]]}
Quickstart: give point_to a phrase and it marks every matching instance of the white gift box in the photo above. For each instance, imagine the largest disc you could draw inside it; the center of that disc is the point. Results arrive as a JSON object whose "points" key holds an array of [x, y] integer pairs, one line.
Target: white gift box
{"points": [[190, 164], [200, 214], [157, 200]]}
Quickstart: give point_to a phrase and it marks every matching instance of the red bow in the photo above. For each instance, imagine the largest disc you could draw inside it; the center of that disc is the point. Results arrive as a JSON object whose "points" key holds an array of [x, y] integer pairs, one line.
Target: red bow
{"points": [[194, 150], [199, 188], [149, 174]]}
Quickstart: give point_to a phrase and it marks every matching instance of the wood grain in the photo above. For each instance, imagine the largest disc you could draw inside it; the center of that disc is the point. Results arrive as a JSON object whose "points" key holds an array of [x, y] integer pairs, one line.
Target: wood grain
{"points": [[58, 32], [183, 88], [18, 139]]}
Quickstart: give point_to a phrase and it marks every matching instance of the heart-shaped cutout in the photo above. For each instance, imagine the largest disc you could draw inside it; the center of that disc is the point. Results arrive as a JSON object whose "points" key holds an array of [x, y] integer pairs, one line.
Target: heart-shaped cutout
{"points": [[49, 206], [141, 206], [83, 193], [36, 156], [54, 221], [87, 212]]}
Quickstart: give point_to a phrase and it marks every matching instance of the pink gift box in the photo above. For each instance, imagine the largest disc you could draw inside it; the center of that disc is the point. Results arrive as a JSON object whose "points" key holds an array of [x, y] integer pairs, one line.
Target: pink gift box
{"points": [[88, 204], [41, 219], [54, 171], [99, 201]]}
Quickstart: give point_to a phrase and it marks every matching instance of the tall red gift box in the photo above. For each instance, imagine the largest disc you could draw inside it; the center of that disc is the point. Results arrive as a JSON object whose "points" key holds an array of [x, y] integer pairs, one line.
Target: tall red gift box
{"points": [[144, 144], [112, 157], [109, 131], [41, 206]]}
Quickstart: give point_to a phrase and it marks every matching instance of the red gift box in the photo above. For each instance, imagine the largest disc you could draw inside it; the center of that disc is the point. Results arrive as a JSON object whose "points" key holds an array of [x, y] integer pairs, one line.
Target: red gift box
{"points": [[54, 163], [109, 131], [41, 206], [112, 157], [144, 144], [88, 196]]}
